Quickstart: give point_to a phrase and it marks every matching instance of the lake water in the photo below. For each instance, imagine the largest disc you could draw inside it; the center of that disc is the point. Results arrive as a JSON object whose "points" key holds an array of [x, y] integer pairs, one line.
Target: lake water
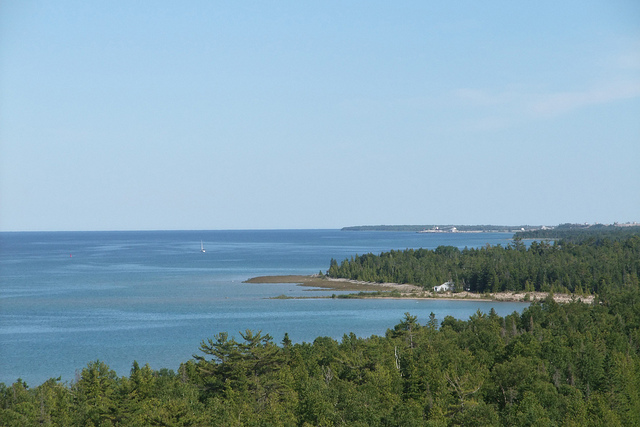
{"points": [[69, 298]]}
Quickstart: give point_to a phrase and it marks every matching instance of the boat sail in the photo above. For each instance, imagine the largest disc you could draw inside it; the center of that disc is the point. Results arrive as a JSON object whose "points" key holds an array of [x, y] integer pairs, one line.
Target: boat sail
{"points": [[202, 247]]}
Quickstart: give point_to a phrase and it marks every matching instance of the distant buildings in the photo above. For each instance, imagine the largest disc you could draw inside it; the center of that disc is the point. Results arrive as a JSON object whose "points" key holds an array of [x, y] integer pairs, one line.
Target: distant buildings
{"points": [[439, 230]]}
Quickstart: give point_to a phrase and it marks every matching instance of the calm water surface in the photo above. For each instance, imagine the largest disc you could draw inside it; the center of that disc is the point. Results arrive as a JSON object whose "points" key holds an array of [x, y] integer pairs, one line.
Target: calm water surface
{"points": [[70, 298]]}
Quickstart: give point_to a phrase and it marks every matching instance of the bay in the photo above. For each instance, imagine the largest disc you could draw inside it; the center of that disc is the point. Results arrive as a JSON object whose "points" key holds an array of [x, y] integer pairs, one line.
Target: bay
{"points": [[68, 298]]}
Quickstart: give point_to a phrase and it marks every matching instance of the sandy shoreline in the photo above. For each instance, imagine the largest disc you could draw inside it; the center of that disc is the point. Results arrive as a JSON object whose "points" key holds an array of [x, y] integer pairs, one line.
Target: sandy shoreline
{"points": [[411, 291]]}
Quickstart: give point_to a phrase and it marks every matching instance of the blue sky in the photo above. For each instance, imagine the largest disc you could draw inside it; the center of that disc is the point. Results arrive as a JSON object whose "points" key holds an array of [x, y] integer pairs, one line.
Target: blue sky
{"points": [[247, 115]]}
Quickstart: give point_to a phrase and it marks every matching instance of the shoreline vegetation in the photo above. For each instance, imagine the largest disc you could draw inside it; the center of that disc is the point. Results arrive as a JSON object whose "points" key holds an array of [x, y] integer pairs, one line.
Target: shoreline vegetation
{"points": [[408, 291]]}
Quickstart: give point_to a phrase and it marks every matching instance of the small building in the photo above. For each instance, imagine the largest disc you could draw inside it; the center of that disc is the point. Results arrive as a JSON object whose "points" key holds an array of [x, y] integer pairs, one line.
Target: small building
{"points": [[445, 287]]}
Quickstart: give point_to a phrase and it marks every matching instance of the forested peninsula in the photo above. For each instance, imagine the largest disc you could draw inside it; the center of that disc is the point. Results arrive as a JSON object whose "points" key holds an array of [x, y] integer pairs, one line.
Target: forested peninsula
{"points": [[587, 265], [570, 364]]}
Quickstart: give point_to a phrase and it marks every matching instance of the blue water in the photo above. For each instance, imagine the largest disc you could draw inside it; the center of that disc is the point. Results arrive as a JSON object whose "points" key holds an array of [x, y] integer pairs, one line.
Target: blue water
{"points": [[69, 298]]}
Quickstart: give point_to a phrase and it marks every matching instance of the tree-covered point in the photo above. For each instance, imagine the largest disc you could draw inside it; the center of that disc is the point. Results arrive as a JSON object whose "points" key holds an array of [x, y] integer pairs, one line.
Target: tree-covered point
{"points": [[579, 232], [573, 364], [589, 266]]}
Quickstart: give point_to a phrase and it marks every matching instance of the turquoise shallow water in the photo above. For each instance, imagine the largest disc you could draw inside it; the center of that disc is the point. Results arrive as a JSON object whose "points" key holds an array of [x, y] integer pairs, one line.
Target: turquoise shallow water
{"points": [[69, 298]]}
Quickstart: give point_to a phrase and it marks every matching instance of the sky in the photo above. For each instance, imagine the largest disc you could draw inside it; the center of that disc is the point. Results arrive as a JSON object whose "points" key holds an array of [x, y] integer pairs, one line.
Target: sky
{"points": [[158, 115]]}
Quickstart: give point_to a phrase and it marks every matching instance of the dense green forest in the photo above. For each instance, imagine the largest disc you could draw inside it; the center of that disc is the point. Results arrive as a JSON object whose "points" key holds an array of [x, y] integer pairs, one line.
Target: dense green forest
{"points": [[573, 364], [555, 364], [593, 264]]}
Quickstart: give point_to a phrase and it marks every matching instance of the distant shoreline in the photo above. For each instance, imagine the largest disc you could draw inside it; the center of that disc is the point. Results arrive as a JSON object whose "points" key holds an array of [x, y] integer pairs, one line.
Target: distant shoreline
{"points": [[407, 291], [449, 228]]}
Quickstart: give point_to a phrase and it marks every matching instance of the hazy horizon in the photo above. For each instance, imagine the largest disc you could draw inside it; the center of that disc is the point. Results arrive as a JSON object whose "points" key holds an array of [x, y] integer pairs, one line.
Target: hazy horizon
{"points": [[302, 229]]}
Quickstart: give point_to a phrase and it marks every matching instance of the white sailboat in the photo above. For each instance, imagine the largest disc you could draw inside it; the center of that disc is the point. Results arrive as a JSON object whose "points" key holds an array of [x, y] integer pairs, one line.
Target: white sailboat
{"points": [[202, 247]]}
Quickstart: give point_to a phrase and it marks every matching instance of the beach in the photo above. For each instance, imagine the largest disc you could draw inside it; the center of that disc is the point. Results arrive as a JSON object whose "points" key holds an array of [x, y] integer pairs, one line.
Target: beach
{"points": [[412, 291]]}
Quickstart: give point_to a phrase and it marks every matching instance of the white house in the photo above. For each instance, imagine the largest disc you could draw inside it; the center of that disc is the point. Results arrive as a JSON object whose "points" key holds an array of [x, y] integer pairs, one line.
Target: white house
{"points": [[445, 287]]}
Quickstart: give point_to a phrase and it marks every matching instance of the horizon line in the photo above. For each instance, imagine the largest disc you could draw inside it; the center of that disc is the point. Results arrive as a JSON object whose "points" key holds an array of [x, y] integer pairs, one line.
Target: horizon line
{"points": [[293, 229]]}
